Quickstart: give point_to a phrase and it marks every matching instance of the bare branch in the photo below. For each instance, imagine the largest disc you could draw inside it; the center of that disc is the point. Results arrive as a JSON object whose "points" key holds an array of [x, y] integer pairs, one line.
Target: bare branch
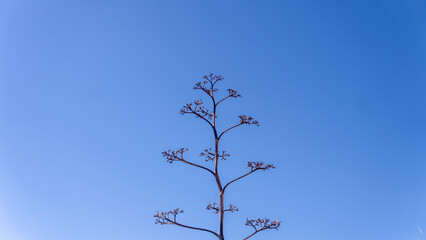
{"points": [[202, 86], [259, 166], [238, 178], [261, 224], [211, 80], [232, 208], [165, 218], [239, 124], [209, 155], [253, 166], [224, 155], [198, 110], [248, 120], [244, 120], [231, 94], [215, 207], [177, 156]]}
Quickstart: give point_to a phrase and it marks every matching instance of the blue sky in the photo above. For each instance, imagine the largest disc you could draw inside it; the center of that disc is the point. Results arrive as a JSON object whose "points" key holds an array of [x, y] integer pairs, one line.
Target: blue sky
{"points": [[90, 93]]}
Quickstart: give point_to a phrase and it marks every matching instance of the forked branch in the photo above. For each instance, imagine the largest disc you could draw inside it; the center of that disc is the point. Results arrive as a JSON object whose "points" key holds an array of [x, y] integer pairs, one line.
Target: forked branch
{"points": [[198, 110], [165, 218], [253, 166], [177, 156], [207, 85], [261, 224]]}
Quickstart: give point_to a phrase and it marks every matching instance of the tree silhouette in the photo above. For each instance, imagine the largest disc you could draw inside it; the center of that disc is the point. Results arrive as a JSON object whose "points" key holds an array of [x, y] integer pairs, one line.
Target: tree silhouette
{"points": [[209, 116]]}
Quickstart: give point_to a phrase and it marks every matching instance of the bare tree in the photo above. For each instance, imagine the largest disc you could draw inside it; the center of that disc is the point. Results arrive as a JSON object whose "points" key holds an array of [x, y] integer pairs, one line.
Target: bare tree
{"points": [[209, 116]]}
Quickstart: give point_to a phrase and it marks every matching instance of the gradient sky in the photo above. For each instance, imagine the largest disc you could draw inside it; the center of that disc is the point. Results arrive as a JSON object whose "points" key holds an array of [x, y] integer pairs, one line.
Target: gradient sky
{"points": [[90, 93]]}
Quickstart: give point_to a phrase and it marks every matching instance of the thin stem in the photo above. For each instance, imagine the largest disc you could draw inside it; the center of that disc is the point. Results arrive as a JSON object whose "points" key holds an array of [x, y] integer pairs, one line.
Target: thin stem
{"points": [[229, 129], [196, 165], [194, 228], [251, 235], [198, 115], [222, 100], [238, 178]]}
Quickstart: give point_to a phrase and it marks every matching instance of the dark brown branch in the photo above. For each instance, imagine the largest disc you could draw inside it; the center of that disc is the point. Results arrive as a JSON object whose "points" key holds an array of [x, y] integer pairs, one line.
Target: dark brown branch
{"points": [[198, 110], [248, 120], [259, 166], [215, 207], [232, 208], [210, 156], [231, 94], [177, 156], [229, 129], [210, 79], [244, 120], [254, 166], [202, 86], [224, 155], [238, 178], [163, 218], [213, 79], [260, 225]]}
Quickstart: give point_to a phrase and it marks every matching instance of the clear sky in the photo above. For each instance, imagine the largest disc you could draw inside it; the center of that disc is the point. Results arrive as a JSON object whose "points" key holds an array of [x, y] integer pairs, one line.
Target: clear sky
{"points": [[90, 93]]}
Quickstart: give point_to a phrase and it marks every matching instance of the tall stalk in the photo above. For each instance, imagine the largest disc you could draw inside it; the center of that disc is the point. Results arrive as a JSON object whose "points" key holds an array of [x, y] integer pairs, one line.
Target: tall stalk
{"points": [[196, 108]]}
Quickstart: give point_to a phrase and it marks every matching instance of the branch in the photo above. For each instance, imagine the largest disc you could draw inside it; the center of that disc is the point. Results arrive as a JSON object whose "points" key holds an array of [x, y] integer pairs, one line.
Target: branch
{"points": [[244, 120], [232, 208], [163, 218], [231, 94], [198, 110], [215, 207], [261, 224], [254, 166], [177, 156], [210, 156], [212, 80]]}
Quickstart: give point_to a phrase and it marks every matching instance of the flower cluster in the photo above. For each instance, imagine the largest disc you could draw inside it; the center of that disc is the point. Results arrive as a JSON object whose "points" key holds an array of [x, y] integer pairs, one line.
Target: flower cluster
{"points": [[209, 155], [197, 109], [248, 120], [165, 217], [215, 207], [211, 80], [173, 156], [233, 93], [259, 166], [263, 224]]}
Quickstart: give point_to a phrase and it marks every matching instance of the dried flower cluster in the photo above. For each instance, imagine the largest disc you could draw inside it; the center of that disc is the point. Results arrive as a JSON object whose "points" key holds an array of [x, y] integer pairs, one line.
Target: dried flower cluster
{"points": [[209, 155], [259, 166], [197, 109], [248, 120], [164, 217], [207, 85], [263, 224], [214, 155], [233, 93], [215, 207], [173, 156]]}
